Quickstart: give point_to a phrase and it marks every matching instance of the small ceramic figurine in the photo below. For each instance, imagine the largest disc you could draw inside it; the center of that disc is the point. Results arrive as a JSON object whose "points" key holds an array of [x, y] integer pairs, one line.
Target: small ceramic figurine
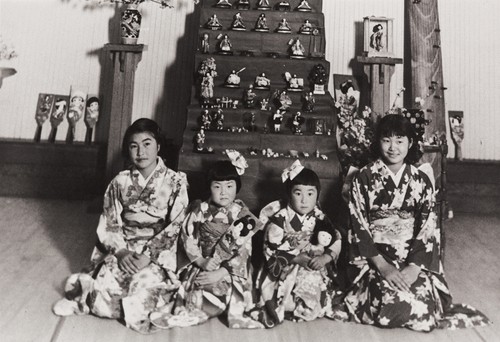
{"points": [[219, 120], [297, 121], [233, 80], [263, 5], [308, 102], [205, 43], [238, 24], [213, 23], [207, 89], [252, 127], [297, 50], [243, 4], [277, 120], [223, 4], [75, 113], [199, 140], [262, 82], [283, 27], [91, 117], [283, 6], [205, 120], [283, 100], [263, 104], [57, 116], [306, 28], [261, 24], [225, 46], [294, 83], [304, 6], [249, 97]]}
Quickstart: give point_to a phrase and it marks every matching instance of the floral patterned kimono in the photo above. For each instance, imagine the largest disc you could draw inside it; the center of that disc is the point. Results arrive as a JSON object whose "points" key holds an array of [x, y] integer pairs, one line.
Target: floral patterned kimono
{"points": [[398, 222], [289, 290], [142, 216], [211, 231]]}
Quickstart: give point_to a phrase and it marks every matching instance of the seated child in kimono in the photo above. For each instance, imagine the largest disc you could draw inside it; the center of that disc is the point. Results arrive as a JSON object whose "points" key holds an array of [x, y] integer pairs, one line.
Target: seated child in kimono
{"points": [[301, 247], [133, 265], [216, 242], [394, 241]]}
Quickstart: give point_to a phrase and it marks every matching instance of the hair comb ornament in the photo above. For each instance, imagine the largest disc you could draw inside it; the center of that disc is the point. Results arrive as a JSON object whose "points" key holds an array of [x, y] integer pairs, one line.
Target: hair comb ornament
{"points": [[238, 161], [292, 171]]}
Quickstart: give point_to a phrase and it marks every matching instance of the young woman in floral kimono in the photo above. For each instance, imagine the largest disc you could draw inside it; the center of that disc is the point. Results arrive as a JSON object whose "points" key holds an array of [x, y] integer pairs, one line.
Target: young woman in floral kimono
{"points": [[394, 241], [132, 266], [301, 247], [216, 239]]}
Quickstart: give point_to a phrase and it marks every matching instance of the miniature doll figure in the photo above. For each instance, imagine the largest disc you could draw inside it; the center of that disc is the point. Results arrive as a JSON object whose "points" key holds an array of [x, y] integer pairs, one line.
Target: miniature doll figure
{"points": [[297, 122], [283, 27], [44, 108], [199, 140], [263, 5], [253, 125], [319, 126], [233, 80], [262, 82], [57, 116], [91, 117], [283, 6], [223, 4], [284, 101], [294, 83], [306, 28], [249, 97], [213, 23], [219, 120], [297, 50], [308, 102], [263, 103], [225, 46], [205, 120], [207, 89], [75, 113], [243, 4], [238, 24], [304, 6], [205, 43], [457, 134], [261, 24], [376, 38], [277, 120]]}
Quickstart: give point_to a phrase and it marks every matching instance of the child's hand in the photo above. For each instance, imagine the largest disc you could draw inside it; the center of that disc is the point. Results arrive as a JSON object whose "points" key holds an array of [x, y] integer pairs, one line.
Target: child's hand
{"points": [[302, 259], [320, 261], [210, 278], [126, 261], [207, 264], [410, 273]]}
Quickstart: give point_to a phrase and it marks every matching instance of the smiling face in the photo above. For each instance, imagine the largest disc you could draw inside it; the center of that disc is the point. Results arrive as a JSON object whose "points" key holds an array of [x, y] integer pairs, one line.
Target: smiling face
{"points": [[143, 151], [303, 198], [394, 150], [223, 193]]}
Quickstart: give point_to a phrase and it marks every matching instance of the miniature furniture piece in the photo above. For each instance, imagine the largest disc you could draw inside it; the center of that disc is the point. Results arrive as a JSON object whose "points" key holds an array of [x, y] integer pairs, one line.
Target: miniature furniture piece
{"points": [[248, 125]]}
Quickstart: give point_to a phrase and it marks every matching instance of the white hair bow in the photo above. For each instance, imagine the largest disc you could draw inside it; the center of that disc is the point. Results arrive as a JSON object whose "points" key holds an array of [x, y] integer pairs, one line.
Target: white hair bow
{"points": [[292, 171], [238, 161]]}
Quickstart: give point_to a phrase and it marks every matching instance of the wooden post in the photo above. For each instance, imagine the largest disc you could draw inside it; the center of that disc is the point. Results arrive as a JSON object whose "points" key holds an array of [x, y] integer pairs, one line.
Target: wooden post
{"points": [[125, 60], [379, 71]]}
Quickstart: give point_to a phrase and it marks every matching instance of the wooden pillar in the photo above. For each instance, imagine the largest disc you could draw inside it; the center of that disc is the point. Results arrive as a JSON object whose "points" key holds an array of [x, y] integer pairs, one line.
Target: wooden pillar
{"points": [[379, 71], [125, 60]]}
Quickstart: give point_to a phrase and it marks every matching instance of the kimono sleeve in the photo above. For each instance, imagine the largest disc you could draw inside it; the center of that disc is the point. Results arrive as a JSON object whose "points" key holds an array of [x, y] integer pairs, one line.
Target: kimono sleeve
{"points": [[424, 249], [189, 236], [109, 229], [361, 244]]}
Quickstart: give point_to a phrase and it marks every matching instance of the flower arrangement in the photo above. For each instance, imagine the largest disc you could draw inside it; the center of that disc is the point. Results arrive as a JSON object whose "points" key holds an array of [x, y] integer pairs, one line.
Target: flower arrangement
{"points": [[318, 75]]}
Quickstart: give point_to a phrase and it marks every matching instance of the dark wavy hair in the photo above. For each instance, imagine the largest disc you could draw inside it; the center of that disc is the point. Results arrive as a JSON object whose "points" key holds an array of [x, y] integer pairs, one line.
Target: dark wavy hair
{"points": [[305, 177], [222, 171], [142, 125], [323, 226], [396, 125]]}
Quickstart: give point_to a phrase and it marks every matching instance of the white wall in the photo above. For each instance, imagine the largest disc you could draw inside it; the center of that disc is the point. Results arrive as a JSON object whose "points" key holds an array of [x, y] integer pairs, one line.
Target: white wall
{"points": [[55, 40]]}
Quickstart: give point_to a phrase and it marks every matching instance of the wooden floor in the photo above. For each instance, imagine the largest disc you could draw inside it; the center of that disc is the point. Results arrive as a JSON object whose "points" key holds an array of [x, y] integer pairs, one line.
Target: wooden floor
{"points": [[43, 241]]}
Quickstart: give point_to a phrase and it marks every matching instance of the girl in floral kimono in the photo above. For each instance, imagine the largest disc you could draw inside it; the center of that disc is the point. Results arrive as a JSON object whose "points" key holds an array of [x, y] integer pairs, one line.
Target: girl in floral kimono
{"points": [[133, 266], [394, 241], [216, 240], [301, 247]]}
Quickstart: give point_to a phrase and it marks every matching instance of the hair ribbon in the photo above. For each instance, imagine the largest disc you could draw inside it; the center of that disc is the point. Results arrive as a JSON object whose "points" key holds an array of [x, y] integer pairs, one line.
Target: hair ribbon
{"points": [[238, 161], [292, 171]]}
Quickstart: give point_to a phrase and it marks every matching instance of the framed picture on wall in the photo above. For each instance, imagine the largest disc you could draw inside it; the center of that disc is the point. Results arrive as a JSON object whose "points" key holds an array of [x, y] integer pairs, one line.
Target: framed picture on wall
{"points": [[378, 35]]}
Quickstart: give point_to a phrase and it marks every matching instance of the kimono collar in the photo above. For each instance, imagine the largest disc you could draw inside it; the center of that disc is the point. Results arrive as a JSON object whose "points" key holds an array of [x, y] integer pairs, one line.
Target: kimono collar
{"points": [[214, 209], [396, 177], [160, 166]]}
